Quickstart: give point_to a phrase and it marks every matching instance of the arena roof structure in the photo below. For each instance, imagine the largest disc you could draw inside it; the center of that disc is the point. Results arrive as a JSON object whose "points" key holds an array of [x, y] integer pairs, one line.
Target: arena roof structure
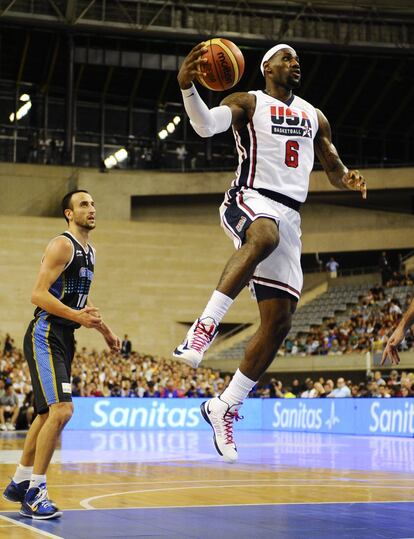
{"points": [[100, 72]]}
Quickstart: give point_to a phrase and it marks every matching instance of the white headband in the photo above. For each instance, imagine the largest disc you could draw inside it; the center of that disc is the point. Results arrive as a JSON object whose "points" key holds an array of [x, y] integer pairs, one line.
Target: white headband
{"points": [[273, 51]]}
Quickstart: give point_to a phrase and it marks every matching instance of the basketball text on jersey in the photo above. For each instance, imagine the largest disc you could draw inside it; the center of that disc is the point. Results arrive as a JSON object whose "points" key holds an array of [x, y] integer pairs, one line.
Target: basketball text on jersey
{"points": [[290, 122]]}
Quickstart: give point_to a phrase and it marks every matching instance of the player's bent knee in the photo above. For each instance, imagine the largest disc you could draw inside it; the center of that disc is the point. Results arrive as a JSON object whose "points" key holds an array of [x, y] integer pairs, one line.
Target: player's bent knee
{"points": [[61, 412], [279, 325]]}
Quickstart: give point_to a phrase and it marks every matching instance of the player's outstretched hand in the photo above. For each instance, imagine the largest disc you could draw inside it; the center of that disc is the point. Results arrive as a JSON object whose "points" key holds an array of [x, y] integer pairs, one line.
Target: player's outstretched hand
{"points": [[89, 317], [192, 66], [113, 341], [390, 350], [356, 182]]}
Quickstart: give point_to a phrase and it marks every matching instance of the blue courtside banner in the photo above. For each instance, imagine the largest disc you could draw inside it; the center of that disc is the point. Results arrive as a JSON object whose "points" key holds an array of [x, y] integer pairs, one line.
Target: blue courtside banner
{"points": [[386, 417]]}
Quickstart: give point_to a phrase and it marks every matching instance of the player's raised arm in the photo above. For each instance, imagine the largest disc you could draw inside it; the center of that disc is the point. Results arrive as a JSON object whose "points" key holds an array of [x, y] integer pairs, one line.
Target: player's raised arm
{"points": [[208, 122], [337, 172], [390, 351], [58, 253]]}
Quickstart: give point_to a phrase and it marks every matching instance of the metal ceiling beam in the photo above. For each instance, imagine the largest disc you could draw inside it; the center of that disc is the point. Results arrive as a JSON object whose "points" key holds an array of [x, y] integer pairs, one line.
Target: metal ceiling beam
{"points": [[164, 86], [23, 59], [84, 12], [381, 95], [309, 79], [6, 9], [356, 92], [403, 107], [70, 13], [395, 28], [52, 65], [334, 84], [56, 10]]}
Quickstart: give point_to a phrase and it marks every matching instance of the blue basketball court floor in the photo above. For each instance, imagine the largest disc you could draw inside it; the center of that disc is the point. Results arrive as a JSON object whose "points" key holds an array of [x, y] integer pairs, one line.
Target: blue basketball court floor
{"points": [[159, 484]]}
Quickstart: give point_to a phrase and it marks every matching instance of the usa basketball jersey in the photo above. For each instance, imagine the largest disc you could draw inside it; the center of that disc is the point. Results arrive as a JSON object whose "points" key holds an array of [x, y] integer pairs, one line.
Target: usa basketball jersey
{"points": [[73, 284], [275, 148]]}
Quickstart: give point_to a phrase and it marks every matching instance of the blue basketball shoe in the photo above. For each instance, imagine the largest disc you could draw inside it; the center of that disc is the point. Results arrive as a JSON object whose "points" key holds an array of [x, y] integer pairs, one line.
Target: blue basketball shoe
{"points": [[37, 505], [15, 492]]}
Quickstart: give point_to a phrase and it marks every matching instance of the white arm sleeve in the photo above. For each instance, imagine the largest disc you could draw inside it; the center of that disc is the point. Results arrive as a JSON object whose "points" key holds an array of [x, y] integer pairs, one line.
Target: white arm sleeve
{"points": [[206, 122]]}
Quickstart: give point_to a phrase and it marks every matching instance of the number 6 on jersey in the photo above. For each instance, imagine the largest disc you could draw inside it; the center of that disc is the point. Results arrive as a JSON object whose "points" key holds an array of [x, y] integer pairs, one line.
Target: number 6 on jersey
{"points": [[292, 154]]}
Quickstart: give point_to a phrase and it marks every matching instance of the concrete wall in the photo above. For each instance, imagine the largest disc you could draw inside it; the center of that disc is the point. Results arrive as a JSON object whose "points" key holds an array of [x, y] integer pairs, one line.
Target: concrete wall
{"points": [[300, 364], [36, 189], [151, 279]]}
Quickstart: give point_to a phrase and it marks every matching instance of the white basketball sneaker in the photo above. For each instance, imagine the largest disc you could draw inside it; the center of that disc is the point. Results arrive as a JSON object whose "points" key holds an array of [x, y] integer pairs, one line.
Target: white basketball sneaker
{"points": [[221, 416], [199, 337]]}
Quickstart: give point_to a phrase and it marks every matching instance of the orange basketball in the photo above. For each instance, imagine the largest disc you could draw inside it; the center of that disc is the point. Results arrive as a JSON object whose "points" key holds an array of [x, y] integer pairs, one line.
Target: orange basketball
{"points": [[225, 65]]}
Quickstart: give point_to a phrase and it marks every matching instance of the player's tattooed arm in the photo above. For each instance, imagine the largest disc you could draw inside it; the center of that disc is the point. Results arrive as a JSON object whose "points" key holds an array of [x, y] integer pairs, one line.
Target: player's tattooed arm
{"points": [[338, 174], [242, 105]]}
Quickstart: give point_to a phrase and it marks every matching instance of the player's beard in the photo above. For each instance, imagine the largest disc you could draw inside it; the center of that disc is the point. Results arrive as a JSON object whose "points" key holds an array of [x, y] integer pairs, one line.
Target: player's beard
{"points": [[86, 224], [293, 84]]}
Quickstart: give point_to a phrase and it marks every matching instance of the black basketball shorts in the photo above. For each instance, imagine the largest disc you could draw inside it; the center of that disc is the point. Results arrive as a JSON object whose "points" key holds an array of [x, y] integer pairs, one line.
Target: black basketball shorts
{"points": [[49, 349]]}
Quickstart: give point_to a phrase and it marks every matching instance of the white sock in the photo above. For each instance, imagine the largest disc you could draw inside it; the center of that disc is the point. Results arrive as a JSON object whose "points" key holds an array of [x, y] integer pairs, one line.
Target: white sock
{"points": [[217, 307], [36, 480], [238, 389], [22, 473]]}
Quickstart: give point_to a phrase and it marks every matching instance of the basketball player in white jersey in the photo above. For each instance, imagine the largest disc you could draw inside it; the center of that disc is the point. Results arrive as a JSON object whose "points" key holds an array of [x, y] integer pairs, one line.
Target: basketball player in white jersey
{"points": [[276, 133]]}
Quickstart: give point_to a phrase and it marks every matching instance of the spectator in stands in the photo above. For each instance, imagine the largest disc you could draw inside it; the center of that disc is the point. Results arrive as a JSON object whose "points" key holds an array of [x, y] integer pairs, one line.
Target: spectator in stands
{"points": [[379, 379], [328, 386], [295, 387], [9, 408], [27, 412], [318, 391], [332, 268], [151, 391], [407, 392], [341, 390], [8, 344], [378, 292], [126, 347], [334, 349], [383, 392], [170, 391], [126, 389], [384, 267], [181, 153], [309, 392]]}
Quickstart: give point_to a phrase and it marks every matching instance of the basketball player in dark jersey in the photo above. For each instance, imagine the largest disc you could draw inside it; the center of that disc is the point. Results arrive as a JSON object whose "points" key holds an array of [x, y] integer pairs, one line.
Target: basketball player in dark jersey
{"points": [[62, 305]]}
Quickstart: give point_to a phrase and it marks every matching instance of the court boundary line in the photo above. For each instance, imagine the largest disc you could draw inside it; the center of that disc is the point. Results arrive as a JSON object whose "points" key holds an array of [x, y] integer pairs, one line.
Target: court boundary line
{"points": [[359, 482], [228, 505], [85, 503], [31, 528]]}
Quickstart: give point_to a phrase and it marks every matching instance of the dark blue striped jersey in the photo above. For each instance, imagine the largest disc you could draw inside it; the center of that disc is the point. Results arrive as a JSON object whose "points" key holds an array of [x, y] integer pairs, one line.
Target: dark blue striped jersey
{"points": [[73, 284]]}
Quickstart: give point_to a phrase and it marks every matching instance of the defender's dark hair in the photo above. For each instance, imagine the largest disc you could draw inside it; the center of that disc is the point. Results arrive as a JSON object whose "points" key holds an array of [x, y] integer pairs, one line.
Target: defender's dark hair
{"points": [[67, 201]]}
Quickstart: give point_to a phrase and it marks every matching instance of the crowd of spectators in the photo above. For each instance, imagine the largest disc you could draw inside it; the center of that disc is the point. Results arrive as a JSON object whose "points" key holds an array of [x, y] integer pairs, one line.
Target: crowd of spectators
{"points": [[135, 375], [376, 385], [369, 322]]}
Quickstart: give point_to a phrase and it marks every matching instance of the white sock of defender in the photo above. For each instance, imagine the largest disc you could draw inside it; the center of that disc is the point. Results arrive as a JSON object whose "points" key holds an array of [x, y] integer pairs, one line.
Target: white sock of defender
{"points": [[238, 389], [36, 480], [22, 473], [217, 307]]}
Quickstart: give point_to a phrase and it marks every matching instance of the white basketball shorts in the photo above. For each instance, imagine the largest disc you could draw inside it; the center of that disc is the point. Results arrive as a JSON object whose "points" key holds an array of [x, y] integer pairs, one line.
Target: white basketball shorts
{"points": [[282, 268]]}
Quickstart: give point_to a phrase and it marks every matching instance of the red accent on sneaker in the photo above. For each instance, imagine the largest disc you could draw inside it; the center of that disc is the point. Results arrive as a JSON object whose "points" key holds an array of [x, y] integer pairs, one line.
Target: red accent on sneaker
{"points": [[202, 336], [228, 419]]}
